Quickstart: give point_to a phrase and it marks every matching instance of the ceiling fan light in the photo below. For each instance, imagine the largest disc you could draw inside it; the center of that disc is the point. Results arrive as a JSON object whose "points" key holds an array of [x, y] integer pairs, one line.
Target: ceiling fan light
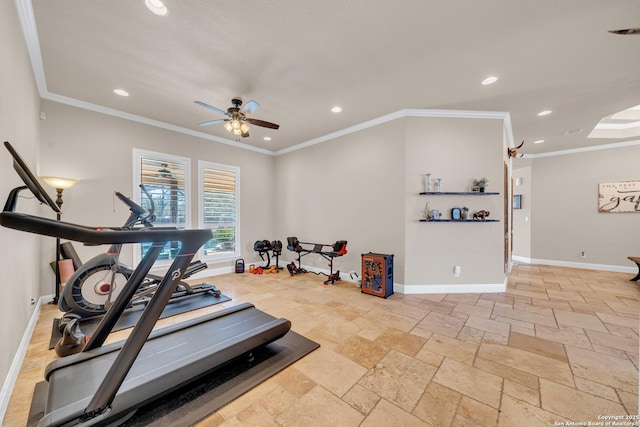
{"points": [[235, 123], [228, 127], [244, 128], [237, 131]]}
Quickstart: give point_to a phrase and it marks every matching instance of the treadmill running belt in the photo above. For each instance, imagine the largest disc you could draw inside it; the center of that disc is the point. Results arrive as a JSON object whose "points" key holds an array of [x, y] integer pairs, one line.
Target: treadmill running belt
{"points": [[188, 405], [130, 317]]}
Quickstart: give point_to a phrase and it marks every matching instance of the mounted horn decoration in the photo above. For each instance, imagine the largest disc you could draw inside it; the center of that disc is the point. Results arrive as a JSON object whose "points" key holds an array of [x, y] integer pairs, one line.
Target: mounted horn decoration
{"points": [[513, 151], [237, 121], [626, 31]]}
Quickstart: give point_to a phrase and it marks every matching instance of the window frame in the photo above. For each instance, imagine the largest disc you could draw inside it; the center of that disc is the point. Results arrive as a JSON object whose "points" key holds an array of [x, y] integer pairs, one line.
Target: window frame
{"points": [[223, 256], [138, 155]]}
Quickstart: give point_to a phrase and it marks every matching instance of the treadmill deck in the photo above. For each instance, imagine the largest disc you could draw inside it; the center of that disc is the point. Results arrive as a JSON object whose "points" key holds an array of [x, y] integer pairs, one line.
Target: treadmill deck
{"points": [[172, 357]]}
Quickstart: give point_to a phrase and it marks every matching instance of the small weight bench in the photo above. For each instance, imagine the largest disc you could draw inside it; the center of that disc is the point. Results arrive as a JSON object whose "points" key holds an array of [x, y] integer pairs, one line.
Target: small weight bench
{"points": [[338, 249], [635, 259]]}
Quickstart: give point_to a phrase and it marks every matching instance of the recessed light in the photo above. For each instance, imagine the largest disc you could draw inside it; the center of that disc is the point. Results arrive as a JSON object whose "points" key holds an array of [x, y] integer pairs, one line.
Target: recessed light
{"points": [[544, 113], [489, 80], [121, 92], [267, 138], [157, 7], [336, 109], [540, 141]]}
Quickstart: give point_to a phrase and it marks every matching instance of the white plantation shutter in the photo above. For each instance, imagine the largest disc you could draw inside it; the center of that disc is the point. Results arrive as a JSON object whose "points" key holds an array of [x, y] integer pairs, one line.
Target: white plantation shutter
{"points": [[219, 208], [166, 179]]}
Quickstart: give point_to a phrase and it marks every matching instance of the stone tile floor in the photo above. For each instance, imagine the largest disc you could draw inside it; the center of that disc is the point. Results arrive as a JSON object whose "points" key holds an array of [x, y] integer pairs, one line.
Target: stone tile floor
{"points": [[561, 345]]}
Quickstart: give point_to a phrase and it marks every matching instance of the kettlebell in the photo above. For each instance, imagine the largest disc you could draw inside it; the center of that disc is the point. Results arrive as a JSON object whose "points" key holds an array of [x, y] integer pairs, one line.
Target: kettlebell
{"points": [[240, 265]]}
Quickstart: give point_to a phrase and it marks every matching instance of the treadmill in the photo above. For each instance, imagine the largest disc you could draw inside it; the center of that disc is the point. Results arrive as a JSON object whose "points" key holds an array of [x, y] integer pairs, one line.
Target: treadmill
{"points": [[106, 384]]}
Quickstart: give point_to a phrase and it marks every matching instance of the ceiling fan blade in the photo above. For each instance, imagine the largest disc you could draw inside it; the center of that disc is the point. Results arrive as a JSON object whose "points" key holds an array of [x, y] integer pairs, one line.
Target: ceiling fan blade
{"points": [[249, 107], [263, 123], [213, 122], [217, 110]]}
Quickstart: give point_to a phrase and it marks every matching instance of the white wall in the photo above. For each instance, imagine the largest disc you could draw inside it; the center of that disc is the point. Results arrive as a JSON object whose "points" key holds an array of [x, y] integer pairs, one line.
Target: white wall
{"points": [[522, 217], [350, 188], [456, 150], [19, 260], [565, 218], [363, 187]]}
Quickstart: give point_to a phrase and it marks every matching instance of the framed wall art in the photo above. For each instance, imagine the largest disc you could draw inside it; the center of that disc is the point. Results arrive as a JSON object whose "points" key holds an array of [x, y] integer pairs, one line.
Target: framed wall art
{"points": [[621, 196]]}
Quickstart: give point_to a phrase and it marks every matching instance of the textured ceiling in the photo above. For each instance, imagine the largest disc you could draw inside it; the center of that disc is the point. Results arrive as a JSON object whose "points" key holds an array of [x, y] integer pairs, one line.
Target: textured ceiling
{"points": [[299, 58]]}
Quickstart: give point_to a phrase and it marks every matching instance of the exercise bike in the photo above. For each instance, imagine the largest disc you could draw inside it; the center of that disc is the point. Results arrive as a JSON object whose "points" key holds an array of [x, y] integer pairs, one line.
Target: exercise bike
{"points": [[92, 289]]}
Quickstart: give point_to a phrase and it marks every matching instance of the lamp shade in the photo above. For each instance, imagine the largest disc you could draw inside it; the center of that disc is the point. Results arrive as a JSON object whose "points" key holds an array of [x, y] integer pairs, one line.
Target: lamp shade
{"points": [[59, 183]]}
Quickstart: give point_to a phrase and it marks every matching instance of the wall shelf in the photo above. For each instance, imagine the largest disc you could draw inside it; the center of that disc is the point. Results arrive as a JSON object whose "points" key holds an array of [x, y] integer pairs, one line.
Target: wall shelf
{"points": [[457, 193], [460, 220]]}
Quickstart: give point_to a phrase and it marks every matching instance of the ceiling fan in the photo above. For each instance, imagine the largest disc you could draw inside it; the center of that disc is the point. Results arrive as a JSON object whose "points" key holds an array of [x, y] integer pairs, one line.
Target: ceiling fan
{"points": [[237, 117]]}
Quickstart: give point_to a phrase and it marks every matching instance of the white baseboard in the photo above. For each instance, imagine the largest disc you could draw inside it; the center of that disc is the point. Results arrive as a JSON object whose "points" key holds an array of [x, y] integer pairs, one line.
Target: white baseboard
{"points": [[16, 364], [440, 288], [427, 289], [212, 272], [581, 265], [465, 288]]}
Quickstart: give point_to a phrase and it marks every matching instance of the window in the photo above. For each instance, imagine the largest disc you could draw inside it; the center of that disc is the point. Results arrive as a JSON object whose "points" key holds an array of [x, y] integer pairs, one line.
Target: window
{"points": [[166, 179], [219, 209]]}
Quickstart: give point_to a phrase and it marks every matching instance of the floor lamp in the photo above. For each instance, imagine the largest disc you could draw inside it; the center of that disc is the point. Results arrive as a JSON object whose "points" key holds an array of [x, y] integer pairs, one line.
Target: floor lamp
{"points": [[60, 184]]}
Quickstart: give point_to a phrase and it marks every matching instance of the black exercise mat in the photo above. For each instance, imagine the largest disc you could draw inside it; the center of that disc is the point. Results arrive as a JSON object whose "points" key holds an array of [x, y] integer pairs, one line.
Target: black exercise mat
{"points": [[130, 317], [188, 405]]}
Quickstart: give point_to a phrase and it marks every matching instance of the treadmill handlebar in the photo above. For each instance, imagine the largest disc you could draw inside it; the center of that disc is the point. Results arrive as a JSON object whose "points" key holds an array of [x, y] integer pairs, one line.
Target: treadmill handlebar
{"points": [[191, 239], [98, 235]]}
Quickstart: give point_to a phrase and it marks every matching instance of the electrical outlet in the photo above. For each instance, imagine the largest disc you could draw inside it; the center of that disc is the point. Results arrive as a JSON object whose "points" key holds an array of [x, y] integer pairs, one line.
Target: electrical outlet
{"points": [[456, 271], [583, 254], [33, 300]]}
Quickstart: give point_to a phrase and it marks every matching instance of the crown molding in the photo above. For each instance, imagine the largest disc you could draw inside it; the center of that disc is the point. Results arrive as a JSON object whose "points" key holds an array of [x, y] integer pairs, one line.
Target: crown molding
{"points": [[30, 31], [28, 24], [151, 122], [465, 114]]}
